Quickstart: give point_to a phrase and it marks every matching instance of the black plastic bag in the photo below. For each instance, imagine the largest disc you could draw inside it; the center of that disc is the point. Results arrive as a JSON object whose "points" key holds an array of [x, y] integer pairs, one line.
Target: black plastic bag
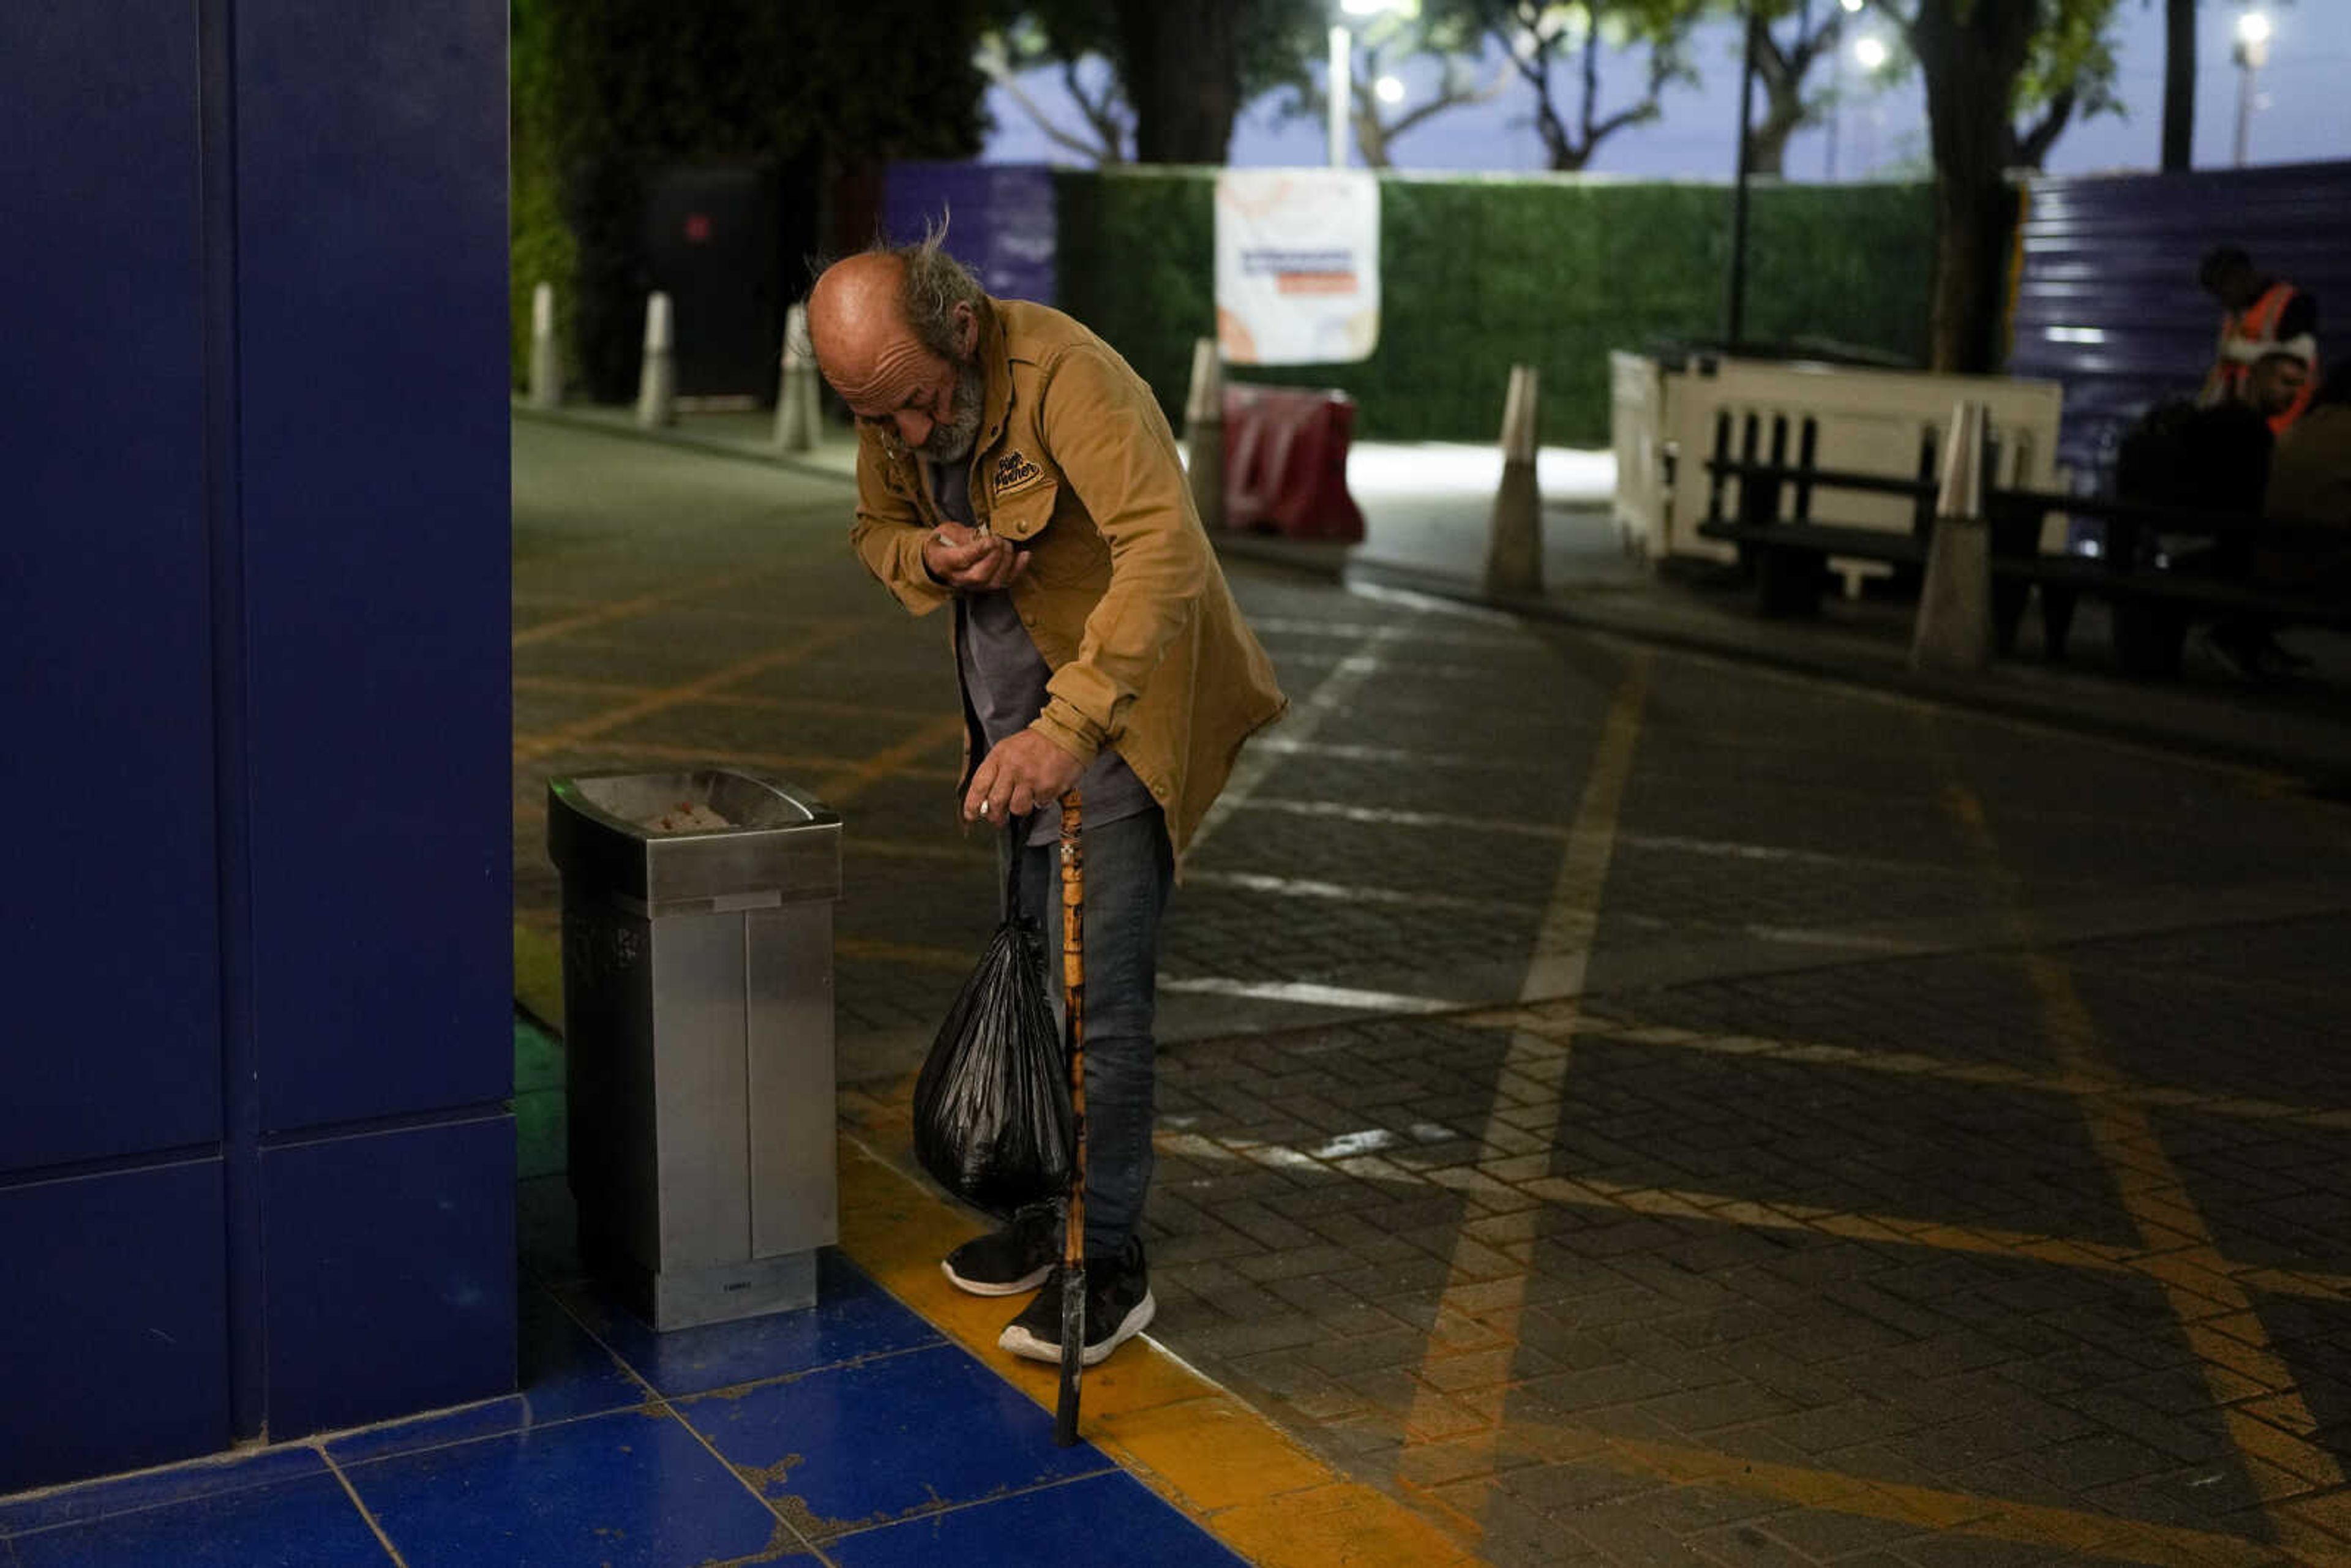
{"points": [[992, 1118]]}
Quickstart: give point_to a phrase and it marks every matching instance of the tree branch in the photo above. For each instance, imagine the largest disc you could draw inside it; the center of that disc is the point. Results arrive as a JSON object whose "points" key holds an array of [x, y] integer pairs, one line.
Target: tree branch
{"points": [[1534, 66], [998, 71], [1450, 95], [2032, 147], [1101, 112], [1590, 77]]}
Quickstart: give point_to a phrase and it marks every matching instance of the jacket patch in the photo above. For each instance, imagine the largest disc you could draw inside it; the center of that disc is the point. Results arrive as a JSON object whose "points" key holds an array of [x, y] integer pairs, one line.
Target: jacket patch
{"points": [[1015, 472]]}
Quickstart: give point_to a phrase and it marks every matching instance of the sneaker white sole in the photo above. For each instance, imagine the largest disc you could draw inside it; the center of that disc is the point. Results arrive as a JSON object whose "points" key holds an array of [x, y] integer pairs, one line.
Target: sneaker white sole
{"points": [[989, 1287], [1028, 1346]]}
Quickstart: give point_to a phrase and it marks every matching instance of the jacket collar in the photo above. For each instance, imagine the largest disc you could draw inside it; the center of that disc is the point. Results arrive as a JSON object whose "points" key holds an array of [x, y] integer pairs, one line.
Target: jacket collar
{"points": [[995, 356]]}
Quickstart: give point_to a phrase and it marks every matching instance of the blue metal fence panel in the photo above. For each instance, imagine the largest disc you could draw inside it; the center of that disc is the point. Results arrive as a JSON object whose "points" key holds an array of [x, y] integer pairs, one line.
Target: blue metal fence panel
{"points": [[391, 1280], [111, 1045], [256, 592], [1001, 221], [2107, 302], [372, 296], [112, 1357]]}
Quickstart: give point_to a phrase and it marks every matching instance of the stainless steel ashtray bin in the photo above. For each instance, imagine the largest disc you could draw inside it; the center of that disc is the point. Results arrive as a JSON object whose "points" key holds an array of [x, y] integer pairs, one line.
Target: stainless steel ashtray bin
{"points": [[697, 1002]]}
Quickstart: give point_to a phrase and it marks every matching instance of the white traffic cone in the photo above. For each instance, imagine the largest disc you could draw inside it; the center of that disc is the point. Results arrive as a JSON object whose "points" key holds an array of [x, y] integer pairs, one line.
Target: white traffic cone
{"points": [[545, 361], [657, 381], [1203, 432], [1514, 540], [797, 414], [1953, 634]]}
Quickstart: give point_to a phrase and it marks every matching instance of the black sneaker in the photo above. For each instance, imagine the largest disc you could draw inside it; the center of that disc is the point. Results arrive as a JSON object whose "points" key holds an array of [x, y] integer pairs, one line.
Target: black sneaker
{"points": [[1119, 1305], [1008, 1261], [2277, 656], [2234, 652]]}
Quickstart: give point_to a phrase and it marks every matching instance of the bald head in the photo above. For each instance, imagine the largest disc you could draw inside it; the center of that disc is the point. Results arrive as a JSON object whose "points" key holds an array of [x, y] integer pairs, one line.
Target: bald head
{"points": [[855, 316], [918, 376]]}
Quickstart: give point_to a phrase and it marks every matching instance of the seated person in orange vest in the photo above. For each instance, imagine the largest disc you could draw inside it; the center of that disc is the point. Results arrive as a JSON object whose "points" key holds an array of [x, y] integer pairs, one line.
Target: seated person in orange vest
{"points": [[2266, 316], [2310, 476], [2278, 386]]}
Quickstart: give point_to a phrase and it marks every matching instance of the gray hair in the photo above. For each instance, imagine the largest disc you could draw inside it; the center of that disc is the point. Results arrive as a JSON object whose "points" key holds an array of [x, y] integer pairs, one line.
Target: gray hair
{"points": [[934, 284]]}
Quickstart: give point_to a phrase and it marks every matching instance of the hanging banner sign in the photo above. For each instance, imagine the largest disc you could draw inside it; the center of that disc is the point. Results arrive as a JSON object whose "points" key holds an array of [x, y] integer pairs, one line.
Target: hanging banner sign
{"points": [[1297, 265]]}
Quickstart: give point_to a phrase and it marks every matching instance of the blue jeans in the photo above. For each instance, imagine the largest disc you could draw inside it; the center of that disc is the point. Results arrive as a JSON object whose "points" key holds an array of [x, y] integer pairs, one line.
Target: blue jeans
{"points": [[1129, 871]]}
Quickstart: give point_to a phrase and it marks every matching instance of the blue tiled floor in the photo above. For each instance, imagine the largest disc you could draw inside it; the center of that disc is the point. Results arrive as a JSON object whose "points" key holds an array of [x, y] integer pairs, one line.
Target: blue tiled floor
{"points": [[849, 1435]]}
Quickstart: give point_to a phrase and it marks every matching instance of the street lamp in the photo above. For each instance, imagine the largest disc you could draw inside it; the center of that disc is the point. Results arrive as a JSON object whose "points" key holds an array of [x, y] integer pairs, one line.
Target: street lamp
{"points": [[2252, 53], [1343, 71], [1869, 53]]}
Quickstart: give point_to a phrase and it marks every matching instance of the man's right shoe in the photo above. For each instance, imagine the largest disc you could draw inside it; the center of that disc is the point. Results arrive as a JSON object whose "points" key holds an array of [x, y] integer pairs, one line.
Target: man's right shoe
{"points": [[2234, 652], [1008, 1261]]}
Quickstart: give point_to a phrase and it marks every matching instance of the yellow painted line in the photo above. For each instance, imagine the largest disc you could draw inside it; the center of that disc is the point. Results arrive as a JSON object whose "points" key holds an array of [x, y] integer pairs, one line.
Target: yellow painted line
{"points": [[859, 950], [2066, 1529], [2254, 1392], [1244, 1479], [1525, 1178], [814, 707], [627, 609], [816, 640], [1479, 1311], [892, 762], [538, 971], [1909, 1231], [806, 764], [1918, 1064], [963, 852]]}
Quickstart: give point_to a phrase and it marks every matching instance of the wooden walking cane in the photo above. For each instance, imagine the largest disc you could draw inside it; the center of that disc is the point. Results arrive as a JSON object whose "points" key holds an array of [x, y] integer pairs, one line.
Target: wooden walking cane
{"points": [[1074, 1235]]}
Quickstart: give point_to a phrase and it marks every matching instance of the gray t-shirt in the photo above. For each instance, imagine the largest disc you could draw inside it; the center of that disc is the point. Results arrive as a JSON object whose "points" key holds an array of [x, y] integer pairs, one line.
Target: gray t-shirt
{"points": [[1004, 680]]}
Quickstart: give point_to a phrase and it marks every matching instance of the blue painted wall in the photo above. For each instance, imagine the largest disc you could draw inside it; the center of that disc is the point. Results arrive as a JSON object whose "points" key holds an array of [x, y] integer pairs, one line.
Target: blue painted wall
{"points": [[2108, 303], [253, 1149]]}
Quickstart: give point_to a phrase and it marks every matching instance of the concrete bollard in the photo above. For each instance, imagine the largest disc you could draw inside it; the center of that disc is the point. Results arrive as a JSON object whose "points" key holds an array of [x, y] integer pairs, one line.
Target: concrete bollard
{"points": [[1954, 633], [545, 361], [657, 381], [1514, 538], [797, 399], [1203, 432]]}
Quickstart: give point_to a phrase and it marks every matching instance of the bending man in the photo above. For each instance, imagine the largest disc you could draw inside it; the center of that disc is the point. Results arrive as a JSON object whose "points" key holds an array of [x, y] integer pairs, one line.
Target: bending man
{"points": [[1011, 465]]}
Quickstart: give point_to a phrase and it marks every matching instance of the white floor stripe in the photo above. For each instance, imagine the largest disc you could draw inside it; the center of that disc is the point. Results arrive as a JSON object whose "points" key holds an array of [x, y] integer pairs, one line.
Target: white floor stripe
{"points": [[1306, 993], [1674, 844], [1291, 626], [1308, 714], [1387, 756], [1343, 893], [1389, 817]]}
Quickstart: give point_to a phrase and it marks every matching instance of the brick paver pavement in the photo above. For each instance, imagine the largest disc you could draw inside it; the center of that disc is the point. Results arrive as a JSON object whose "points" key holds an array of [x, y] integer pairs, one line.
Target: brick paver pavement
{"points": [[1638, 1108]]}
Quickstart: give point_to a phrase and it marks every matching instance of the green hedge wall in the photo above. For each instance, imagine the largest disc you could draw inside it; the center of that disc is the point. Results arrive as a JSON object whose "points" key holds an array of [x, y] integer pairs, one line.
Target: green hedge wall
{"points": [[1478, 273]]}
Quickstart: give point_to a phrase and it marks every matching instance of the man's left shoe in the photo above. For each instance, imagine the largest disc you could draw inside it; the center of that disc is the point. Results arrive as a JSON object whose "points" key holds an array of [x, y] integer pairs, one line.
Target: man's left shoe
{"points": [[2278, 656], [1119, 1305]]}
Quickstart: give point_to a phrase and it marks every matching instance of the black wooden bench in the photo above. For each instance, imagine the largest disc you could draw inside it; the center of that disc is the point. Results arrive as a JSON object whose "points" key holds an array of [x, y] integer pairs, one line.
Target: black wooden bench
{"points": [[2157, 597]]}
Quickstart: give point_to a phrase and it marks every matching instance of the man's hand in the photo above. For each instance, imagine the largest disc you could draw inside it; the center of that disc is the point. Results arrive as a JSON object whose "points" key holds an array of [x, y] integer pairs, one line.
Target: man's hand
{"points": [[1017, 776], [970, 562]]}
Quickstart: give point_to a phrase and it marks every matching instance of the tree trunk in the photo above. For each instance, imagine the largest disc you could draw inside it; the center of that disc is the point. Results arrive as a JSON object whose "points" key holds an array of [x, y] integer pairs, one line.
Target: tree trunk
{"points": [[1970, 66], [2179, 85], [1182, 69], [1767, 144]]}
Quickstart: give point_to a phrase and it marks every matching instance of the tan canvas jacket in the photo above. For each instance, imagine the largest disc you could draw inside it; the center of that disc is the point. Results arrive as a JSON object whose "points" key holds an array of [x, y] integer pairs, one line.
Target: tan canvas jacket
{"points": [[1123, 593]]}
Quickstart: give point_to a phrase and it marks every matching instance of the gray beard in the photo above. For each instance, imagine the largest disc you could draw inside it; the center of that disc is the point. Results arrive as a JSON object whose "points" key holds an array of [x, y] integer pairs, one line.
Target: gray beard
{"points": [[950, 441]]}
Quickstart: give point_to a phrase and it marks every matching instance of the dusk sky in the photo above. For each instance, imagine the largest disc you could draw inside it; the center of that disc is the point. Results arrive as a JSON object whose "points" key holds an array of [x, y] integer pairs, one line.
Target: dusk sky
{"points": [[2301, 114]]}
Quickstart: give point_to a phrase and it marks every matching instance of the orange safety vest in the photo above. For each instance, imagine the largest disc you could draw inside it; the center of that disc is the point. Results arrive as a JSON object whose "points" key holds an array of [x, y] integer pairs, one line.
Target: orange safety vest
{"points": [[2259, 322]]}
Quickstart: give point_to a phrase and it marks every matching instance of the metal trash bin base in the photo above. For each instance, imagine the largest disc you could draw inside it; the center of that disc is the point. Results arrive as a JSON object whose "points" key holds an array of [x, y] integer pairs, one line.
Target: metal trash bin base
{"points": [[687, 1298], [697, 988]]}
